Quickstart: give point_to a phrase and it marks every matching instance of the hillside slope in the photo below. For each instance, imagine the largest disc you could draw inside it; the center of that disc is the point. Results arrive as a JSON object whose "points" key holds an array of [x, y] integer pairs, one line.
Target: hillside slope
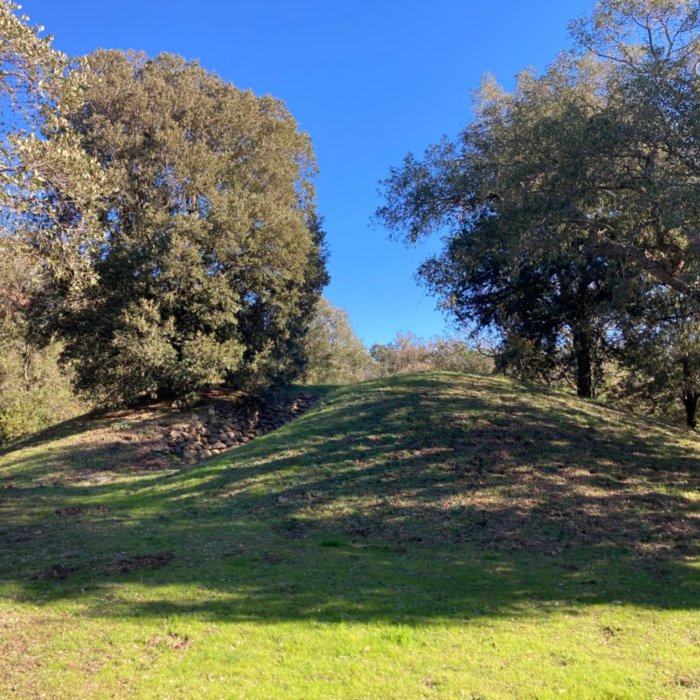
{"points": [[434, 535]]}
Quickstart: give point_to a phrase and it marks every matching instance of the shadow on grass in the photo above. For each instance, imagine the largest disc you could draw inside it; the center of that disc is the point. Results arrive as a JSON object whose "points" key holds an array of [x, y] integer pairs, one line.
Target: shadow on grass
{"points": [[415, 498]]}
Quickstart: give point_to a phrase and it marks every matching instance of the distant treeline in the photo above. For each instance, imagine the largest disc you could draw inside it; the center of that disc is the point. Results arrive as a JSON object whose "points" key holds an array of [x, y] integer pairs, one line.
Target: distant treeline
{"points": [[336, 355]]}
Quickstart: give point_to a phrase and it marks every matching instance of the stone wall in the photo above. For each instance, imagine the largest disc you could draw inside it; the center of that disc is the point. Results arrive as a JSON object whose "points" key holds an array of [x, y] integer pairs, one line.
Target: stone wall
{"points": [[225, 424]]}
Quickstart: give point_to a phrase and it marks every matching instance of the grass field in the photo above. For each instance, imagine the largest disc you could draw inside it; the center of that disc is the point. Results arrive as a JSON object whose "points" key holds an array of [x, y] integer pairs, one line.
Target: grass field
{"points": [[426, 536]]}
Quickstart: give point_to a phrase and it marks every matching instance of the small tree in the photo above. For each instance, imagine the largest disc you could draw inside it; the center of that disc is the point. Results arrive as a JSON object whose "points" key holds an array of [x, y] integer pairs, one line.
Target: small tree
{"points": [[406, 353], [455, 355], [334, 353], [34, 392], [409, 353]]}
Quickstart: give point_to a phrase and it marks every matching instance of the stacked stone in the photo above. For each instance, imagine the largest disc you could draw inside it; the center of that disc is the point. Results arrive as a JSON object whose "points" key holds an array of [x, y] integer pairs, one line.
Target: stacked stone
{"points": [[226, 424]]}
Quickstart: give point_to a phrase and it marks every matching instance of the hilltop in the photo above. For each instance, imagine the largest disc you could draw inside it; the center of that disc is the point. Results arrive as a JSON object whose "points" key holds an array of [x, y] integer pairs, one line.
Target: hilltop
{"points": [[437, 535]]}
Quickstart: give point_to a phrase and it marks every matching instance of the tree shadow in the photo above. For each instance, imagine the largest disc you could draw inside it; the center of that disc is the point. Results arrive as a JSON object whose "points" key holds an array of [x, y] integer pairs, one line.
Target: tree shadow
{"points": [[416, 498]]}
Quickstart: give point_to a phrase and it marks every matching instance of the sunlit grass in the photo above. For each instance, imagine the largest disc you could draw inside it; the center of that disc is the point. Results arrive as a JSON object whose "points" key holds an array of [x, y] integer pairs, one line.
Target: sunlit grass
{"points": [[435, 535]]}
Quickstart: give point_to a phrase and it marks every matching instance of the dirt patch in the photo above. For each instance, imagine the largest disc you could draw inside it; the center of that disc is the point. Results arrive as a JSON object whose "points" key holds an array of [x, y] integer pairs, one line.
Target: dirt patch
{"points": [[171, 640], [160, 437], [57, 572], [74, 511], [686, 682], [22, 636], [139, 562], [121, 565], [19, 535]]}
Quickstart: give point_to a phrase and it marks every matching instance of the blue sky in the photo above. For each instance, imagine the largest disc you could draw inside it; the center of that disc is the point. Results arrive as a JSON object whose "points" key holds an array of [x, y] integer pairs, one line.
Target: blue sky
{"points": [[369, 81]]}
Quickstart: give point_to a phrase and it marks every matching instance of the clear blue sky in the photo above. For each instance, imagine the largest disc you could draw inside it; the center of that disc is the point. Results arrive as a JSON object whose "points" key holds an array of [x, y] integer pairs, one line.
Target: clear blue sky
{"points": [[369, 81]]}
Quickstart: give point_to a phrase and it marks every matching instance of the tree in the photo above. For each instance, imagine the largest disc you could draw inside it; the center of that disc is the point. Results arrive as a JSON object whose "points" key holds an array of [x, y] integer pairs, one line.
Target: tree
{"points": [[659, 345], [507, 261], [34, 77], [208, 256], [455, 355], [552, 313], [34, 392], [560, 195], [29, 67], [409, 353], [335, 354], [406, 353], [643, 161]]}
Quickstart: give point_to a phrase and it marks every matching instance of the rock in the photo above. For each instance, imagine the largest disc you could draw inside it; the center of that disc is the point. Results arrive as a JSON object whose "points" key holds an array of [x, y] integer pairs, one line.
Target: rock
{"points": [[225, 424]]}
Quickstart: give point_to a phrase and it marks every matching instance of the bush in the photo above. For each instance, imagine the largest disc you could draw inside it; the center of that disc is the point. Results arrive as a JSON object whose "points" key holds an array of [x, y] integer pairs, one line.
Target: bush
{"points": [[34, 392], [335, 354], [408, 353]]}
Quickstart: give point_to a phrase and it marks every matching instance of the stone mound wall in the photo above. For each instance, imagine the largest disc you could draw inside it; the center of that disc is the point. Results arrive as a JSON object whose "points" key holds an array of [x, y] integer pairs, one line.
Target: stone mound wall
{"points": [[225, 424]]}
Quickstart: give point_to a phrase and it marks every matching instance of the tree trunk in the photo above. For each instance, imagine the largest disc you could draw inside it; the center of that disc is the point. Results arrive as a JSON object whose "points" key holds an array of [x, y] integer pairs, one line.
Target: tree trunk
{"points": [[26, 366], [690, 401], [584, 364], [690, 395]]}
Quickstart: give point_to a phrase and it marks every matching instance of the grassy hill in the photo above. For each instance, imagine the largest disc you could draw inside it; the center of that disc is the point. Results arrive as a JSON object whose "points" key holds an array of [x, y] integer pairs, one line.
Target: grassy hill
{"points": [[434, 535]]}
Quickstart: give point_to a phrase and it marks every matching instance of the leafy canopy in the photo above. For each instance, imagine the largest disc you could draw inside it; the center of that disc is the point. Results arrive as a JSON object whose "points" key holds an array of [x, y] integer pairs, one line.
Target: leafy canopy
{"points": [[559, 197], [207, 256]]}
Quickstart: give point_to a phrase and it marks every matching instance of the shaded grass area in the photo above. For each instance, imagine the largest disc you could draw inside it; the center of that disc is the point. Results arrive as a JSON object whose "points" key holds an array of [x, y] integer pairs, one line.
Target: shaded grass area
{"points": [[435, 535]]}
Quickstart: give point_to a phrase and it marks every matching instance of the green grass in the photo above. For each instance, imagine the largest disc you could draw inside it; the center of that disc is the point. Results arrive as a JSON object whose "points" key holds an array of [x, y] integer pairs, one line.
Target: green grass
{"points": [[434, 535]]}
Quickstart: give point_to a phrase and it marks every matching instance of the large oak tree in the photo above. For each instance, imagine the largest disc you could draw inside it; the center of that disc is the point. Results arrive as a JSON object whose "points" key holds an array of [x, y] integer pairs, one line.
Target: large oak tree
{"points": [[558, 197], [207, 256]]}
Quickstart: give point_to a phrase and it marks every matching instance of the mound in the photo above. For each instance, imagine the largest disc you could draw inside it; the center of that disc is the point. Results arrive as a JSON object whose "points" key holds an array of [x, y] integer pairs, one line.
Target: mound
{"points": [[453, 504]]}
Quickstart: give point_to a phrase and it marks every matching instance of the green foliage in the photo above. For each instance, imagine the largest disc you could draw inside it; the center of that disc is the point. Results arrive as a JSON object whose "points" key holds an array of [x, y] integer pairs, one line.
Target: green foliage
{"points": [[454, 355], [428, 536], [34, 392], [661, 352], [642, 161], [335, 354], [35, 77], [512, 260], [30, 66], [409, 353], [560, 197], [406, 353], [209, 255]]}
